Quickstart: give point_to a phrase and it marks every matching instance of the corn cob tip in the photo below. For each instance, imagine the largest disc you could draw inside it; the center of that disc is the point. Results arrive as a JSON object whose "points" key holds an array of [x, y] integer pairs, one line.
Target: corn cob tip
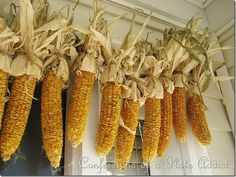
{"points": [[120, 167], [55, 164], [5, 159], [74, 145], [181, 140]]}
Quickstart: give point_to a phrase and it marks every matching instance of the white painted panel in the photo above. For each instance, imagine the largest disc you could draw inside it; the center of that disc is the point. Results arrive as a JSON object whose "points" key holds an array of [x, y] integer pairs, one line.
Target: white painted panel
{"points": [[228, 95], [171, 163], [219, 13], [222, 151], [229, 54], [216, 115], [212, 90]]}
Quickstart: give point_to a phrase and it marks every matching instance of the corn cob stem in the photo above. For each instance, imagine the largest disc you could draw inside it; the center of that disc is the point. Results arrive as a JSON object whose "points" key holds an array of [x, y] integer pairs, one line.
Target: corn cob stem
{"points": [[166, 124], [196, 114], [3, 88], [79, 106], [51, 117], [151, 133], [179, 113], [109, 118], [125, 140], [17, 113]]}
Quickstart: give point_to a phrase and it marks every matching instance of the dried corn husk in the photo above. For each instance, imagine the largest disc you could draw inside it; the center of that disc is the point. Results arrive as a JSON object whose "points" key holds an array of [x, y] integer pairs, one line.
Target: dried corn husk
{"points": [[112, 74], [85, 70]]}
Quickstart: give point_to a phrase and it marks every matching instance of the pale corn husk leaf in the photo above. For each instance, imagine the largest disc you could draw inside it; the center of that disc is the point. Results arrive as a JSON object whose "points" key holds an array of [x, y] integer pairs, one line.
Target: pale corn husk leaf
{"points": [[22, 65], [5, 63], [26, 62], [112, 71], [9, 43]]}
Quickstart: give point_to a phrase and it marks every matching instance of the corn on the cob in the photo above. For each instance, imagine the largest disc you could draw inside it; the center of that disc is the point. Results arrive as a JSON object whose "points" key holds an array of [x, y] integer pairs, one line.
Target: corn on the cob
{"points": [[151, 133], [125, 140], [3, 88], [179, 113], [109, 117], [51, 117], [79, 106], [166, 124], [196, 114], [17, 113]]}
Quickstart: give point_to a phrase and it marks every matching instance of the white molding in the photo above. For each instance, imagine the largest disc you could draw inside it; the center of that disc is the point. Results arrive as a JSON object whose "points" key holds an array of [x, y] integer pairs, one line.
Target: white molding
{"points": [[228, 95], [164, 16], [129, 7], [200, 4], [225, 27], [206, 4]]}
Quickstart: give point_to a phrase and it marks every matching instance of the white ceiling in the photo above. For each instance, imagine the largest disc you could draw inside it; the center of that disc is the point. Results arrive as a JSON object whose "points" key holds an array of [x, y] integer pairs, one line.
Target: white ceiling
{"points": [[200, 3]]}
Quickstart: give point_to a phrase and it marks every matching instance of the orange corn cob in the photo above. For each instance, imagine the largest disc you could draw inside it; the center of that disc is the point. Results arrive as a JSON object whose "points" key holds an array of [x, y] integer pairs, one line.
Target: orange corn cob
{"points": [[125, 140], [196, 114], [79, 106], [179, 113], [166, 124], [51, 117], [17, 113], [3, 88], [109, 117], [151, 133]]}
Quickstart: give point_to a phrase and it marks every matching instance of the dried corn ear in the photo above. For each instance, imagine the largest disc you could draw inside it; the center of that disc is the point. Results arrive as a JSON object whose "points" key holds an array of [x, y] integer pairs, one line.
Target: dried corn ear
{"points": [[51, 117], [3, 88], [125, 138], [166, 124], [17, 113], [79, 106], [109, 117], [196, 114], [179, 113], [151, 133]]}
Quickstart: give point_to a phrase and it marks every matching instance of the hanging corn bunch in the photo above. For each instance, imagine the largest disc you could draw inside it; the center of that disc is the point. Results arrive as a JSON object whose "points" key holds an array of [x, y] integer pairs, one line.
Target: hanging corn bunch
{"points": [[111, 80], [9, 42], [179, 78], [151, 71], [58, 46], [85, 67], [133, 95], [173, 53], [200, 66], [26, 69]]}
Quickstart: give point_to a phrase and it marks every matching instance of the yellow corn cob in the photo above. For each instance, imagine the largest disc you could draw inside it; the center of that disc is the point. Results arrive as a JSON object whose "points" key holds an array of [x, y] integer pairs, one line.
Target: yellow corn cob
{"points": [[179, 113], [109, 117], [151, 133], [166, 124], [79, 106], [17, 113], [125, 140], [196, 114], [3, 88], [51, 117]]}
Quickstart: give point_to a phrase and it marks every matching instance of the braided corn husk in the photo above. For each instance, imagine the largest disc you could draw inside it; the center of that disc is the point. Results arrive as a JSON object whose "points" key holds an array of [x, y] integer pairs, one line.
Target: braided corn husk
{"points": [[17, 113], [196, 114], [79, 106], [3, 88], [152, 124], [109, 118], [179, 113], [125, 140], [51, 117], [166, 124]]}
